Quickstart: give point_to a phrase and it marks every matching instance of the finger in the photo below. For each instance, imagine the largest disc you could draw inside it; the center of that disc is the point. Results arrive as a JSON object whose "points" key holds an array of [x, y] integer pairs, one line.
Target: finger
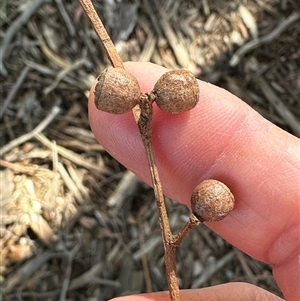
{"points": [[224, 139], [224, 292]]}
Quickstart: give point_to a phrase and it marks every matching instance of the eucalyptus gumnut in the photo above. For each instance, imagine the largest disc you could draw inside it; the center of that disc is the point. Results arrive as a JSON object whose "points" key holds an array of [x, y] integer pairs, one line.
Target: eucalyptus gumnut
{"points": [[176, 91], [117, 91], [211, 201]]}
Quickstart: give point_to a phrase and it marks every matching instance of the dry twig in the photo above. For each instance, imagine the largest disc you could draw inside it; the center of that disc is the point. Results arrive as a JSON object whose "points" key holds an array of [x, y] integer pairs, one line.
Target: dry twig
{"points": [[212, 269], [77, 159], [52, 114], [61, 74], [67, 276], [28, 269], [15, 27], [283, 25], [279, 106], [14, 90]]}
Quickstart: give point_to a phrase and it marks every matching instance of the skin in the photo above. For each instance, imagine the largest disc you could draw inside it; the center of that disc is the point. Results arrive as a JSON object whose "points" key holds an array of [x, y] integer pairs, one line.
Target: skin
{"points": [[224, 139]]}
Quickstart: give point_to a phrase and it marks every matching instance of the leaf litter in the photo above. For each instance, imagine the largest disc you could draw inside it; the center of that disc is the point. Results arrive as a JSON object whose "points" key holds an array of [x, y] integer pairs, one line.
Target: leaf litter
{"points": [[74, 222]]}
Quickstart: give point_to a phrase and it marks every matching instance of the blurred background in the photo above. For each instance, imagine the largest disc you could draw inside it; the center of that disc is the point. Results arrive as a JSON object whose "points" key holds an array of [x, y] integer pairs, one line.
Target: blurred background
{"points": [[75, 224]]}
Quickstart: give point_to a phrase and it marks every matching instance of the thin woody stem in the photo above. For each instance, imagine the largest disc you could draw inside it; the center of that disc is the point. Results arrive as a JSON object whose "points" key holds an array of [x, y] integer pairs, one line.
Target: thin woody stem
{"points": [[143, 116], [145, 127], [110, 49]]}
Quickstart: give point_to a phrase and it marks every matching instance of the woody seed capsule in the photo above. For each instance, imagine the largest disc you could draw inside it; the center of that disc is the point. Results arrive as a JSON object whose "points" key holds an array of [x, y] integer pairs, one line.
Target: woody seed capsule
{"points": [[176, 91], [211, 201], [117, 91]]}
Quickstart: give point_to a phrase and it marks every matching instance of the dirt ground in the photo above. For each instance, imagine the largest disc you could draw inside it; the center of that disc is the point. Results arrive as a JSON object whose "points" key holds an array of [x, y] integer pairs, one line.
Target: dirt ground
{"points": [[75, 224]]}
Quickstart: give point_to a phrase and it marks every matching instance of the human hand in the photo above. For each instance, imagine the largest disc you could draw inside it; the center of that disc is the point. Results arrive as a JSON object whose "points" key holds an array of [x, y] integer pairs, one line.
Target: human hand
{"points": [[224, 139]]}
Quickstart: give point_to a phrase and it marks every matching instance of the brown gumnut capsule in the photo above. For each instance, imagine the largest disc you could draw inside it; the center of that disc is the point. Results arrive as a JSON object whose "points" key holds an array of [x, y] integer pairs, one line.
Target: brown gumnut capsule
{"points": [[211, 201], [117, 91], [176, 91]]}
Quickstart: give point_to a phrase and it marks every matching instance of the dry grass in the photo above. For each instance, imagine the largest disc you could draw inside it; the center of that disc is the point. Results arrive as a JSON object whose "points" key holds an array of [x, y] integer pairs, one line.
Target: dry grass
{"points": [[75, 225]]}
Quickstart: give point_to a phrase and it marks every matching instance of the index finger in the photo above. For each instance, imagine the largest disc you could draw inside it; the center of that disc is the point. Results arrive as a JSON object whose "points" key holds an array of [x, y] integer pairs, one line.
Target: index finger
{"points": [[224, 139]]}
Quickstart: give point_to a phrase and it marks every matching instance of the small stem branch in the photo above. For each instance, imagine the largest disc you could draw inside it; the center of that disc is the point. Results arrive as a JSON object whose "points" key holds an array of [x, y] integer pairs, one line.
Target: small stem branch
{"points": [[191, 224], [110, 49]]}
